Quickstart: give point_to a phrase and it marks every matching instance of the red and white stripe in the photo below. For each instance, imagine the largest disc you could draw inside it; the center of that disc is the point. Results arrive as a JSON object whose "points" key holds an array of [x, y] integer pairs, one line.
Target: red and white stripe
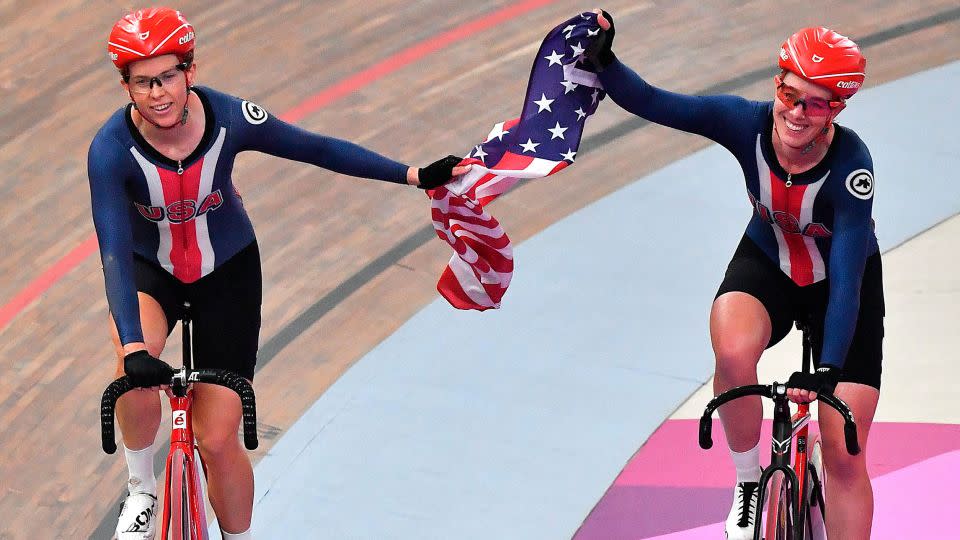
{"points": [[803, 72], [185, 249], [479, 272], [155, 49], [800, 258]]}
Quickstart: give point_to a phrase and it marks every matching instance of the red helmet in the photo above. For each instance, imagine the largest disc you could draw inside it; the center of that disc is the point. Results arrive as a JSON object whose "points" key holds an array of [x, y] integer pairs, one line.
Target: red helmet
{"points": [[151, 32], [826, 59]]}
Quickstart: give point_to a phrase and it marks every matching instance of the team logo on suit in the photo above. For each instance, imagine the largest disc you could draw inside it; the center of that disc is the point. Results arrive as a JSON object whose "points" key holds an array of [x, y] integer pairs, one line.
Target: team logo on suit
{"points": [[254, 113], [860, 184]]}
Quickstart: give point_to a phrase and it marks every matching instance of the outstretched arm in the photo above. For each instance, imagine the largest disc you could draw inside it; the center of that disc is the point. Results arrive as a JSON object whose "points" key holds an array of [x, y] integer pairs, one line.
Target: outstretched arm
{"points": [[276, 137], [718, 118]]}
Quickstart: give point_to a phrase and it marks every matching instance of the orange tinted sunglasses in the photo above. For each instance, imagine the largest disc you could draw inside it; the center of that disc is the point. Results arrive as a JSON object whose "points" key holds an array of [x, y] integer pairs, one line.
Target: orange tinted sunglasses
{"points": [[812, 106]]}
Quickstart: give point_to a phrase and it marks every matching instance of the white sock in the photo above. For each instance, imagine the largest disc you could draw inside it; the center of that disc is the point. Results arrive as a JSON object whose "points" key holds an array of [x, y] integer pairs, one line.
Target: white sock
{"points": [[245, 535], [140, 467], [747, 464]]}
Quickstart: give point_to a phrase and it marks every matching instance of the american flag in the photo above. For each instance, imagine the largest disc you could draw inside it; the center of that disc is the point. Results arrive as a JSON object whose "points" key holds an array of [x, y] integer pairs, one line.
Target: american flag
{"points": [[563, 91]]}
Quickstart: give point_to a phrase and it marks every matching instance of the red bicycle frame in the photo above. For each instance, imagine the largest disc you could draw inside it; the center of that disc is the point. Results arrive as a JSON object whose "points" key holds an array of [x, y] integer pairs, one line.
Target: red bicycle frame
{"points": [[801, 429], [182, 478]]}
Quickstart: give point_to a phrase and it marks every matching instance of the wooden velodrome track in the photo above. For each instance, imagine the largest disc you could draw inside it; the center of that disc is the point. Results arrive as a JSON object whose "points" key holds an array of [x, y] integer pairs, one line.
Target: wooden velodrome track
{"points": [[345, 261]]}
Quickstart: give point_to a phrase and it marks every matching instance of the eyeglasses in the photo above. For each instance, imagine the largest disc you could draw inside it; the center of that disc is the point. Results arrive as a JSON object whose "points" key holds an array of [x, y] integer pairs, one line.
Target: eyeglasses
{"points": [[143, 85], [812, 106]]}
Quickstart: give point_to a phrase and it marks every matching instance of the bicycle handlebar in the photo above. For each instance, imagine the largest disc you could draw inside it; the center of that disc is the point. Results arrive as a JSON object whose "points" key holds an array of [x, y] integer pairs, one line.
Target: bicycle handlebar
{"points": [[107, 402], [770, 391], [227, 379]]}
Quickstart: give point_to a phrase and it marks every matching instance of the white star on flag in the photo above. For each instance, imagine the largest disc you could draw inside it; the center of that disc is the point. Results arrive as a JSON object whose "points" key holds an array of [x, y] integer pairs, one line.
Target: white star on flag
{"points": [[569, 86], [557, 131], [569, 30], [593, 33], [569, 155], [499, 132], [577, 50], [554, 58], [580, 114], [480, 153], [544, 103], [530, 146]]}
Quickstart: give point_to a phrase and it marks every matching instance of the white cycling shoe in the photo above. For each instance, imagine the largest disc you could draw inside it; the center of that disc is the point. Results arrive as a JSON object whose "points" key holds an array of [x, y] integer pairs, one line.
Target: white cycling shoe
{"points": [[138, 516], [744, 514]]}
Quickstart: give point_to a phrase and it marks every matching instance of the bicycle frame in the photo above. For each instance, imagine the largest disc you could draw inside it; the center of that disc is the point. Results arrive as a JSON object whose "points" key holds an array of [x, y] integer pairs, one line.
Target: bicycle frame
{"points": [[182, 448]]}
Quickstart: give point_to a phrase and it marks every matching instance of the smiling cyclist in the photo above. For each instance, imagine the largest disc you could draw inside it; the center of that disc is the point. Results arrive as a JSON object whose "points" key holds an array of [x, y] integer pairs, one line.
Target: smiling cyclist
{"points": [[809, 253], [172, 228]]}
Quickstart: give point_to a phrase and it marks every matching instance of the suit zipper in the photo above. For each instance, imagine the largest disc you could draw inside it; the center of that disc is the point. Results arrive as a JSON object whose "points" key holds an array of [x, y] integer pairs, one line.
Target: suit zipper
{"points": [[184, 236]]}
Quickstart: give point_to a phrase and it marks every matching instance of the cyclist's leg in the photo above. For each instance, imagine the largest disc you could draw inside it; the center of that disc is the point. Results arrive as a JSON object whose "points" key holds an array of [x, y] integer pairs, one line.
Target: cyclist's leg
{"points": [[216, 419], [226, 315], [740, 329], [749, 314], [849, 496], [138, 416]]}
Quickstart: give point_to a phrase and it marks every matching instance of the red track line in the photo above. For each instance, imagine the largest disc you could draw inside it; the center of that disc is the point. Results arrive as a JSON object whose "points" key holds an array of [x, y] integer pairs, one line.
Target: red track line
{"points": [[46, 280], [408, 56], [351, 84]]}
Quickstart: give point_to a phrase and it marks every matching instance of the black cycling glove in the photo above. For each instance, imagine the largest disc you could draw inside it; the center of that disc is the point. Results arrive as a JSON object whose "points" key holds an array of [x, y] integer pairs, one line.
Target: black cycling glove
{"points": [[437, 173], [146, 371], [600, 53], [825, 379]]}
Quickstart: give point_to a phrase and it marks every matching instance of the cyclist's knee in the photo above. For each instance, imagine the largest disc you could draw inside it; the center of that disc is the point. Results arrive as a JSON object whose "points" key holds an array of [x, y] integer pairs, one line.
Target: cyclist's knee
{"points": [[840, 465], [217, 440], [736, 356], [216, 420]]}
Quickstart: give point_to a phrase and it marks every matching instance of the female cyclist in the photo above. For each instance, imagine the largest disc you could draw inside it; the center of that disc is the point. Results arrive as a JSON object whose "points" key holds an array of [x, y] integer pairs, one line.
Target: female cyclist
{"points": [[172, 229], [808, 254]]}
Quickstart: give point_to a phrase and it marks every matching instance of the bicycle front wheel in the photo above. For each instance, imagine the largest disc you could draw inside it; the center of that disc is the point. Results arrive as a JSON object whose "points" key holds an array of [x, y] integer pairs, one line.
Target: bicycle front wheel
{"points": [[779, 521], [179, 527], [816, 490]]}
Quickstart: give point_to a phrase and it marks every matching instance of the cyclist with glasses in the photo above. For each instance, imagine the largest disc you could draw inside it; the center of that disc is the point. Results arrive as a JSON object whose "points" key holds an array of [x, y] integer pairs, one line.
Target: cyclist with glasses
{"points": [[809, 253], [172, 229]]}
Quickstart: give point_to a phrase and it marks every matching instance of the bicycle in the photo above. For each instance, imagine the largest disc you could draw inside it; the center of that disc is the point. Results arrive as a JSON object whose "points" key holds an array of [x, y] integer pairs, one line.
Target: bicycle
{"points": [[184, 508], [796, 478]]}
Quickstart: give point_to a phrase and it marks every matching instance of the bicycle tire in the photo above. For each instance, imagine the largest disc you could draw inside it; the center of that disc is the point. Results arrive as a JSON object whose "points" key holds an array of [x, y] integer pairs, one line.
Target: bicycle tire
{"points": [[197, 494], [779, 514], [816, 492], [179, 527]]}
